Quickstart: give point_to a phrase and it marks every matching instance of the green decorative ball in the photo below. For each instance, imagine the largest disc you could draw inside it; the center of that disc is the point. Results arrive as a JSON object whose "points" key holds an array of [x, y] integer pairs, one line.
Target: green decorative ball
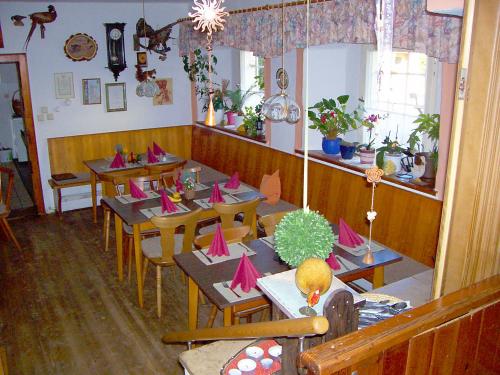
{"points": [[303, 234]]}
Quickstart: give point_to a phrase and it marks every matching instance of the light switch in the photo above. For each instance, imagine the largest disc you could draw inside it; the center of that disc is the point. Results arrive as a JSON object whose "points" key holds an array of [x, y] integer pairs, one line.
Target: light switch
{"points": [[50, 116], [40, 117]]}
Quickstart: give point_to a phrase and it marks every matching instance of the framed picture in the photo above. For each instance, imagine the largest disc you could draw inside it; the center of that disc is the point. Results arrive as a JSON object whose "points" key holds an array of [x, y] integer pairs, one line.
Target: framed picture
{"points": [[142, 59], [116, 97], [64, 85], [166, 92], [91, 91], [80, 47]]}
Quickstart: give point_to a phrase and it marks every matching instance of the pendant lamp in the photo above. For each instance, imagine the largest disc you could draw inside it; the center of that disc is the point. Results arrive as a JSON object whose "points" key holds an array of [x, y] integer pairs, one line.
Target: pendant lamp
{"points": [[280, 107]]}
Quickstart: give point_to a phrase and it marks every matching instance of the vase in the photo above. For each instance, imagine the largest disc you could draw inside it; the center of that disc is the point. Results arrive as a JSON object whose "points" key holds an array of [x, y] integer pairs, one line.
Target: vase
{"points": [[392, 163], [231, 118], [331, 146], [189, 194], [430, 171], [366, 156], [347, 152]]}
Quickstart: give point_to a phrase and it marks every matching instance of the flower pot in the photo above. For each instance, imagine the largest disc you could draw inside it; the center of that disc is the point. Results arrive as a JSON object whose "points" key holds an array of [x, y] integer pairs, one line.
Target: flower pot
{"points": [[238, 120], [430, 172], [231, 118], [347, 151], [331, 146], [189, 194], [392, 163], [366, 156]]}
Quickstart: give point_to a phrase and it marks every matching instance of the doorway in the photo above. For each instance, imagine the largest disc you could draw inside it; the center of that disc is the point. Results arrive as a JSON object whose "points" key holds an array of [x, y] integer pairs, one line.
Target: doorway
{"points": [[17, 136]]}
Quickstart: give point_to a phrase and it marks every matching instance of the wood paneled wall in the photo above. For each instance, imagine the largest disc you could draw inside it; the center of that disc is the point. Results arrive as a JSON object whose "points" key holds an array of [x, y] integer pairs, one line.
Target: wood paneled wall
{"points": [[67, 153], [456, 334], [406, 222]]}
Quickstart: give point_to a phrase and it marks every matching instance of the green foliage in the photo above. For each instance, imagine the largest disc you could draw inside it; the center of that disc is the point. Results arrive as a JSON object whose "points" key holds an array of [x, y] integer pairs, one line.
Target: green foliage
{"points": [[238, 98], [303, 234], [428, 124], [331, 118], [250, 121]]}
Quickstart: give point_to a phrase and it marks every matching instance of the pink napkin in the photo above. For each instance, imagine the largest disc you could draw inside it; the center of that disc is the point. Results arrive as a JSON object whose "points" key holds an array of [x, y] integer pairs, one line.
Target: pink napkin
{"points": [[166, 203], [246, 275], [218, 247], [333, 262], [234, 181], [216, 196], [117, 162], [347, 236], [151, 157], [178, 185], [136, 191], [157, 150]]}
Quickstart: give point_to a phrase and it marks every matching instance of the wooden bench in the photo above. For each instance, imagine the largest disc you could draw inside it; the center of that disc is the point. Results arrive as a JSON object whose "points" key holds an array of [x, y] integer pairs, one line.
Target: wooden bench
{"points": [[81, 179]]}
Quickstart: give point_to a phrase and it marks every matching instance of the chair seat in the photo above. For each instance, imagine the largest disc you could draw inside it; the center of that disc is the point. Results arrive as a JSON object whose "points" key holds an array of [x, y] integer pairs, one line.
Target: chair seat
{"points": [[209, 359], [151, 247], [212, 227], [128, 229]]}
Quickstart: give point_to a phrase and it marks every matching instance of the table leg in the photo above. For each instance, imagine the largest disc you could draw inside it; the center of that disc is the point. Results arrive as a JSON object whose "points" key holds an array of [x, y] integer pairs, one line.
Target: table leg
{"points": [[138, 263], [193, 290], [119, 245], [378, 277], [228, 313], [93, 187]]}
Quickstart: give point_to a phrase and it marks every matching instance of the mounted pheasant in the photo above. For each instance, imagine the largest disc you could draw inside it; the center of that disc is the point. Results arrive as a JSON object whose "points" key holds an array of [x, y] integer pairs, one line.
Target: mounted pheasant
{"points": [[40, 18], [157, 39]]}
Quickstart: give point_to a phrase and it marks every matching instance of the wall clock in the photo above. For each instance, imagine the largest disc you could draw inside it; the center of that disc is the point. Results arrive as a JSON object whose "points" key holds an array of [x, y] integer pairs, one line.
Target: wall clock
{"points": [[80, 47], [116, 48]]}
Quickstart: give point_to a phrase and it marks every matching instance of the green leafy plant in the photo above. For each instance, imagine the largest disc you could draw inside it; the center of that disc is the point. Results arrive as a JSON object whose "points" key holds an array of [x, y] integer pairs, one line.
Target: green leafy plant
{"points": [[303, 234], [427, 124], [250, 119], [188, 183], [331, 117], [369, 123], [238, 98], [389, 146]]}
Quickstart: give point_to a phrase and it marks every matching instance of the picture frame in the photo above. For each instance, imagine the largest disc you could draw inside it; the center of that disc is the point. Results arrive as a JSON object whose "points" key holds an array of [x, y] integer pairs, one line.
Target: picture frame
{"points": [[80, 47], [142, 59], [63, 85], [91, 91], [165, 95], [116, 97]]}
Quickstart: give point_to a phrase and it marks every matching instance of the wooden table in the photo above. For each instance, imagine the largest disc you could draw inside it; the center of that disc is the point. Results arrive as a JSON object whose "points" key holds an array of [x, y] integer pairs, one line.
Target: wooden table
{"points": [[203, 276], [131, 215], [98, 166]]}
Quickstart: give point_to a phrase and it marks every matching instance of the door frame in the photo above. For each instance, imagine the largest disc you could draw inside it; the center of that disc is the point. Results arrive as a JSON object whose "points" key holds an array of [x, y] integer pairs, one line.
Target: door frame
{"points": [[29, 125]]}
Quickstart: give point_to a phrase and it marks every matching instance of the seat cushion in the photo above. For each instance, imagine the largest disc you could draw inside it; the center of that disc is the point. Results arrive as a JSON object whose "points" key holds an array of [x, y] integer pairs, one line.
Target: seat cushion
{"points": [[209, 359], [211, 228], [151, 247]]}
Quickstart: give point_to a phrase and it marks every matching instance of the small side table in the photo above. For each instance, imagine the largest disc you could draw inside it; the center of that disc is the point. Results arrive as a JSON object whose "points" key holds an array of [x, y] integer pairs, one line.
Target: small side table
{"points": [[81, 179]]}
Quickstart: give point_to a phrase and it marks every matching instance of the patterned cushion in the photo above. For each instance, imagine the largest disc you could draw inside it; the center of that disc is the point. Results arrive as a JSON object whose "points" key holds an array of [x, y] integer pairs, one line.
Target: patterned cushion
{"points": [[151, 247]]}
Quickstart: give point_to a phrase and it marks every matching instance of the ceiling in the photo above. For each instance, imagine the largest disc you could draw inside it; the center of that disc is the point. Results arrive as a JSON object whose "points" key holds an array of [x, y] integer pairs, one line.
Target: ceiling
{"points": [[109, 1]]}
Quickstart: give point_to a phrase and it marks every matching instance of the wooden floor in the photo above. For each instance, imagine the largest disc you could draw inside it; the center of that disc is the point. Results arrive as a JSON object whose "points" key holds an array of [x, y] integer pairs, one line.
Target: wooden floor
{"points": [[63, 311]]}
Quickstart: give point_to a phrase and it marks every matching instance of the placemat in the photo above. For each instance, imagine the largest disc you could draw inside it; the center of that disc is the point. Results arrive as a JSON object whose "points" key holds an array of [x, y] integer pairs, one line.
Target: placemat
{"points": [[345, 265], [269, 241], [126, 199], [156, 211], [236, 294], [241, 189], [236, 250], [205, 204], [361, 249]]}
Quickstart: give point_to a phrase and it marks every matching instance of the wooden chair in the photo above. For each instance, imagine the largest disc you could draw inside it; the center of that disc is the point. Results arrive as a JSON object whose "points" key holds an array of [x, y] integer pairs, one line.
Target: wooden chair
{"points": [[160, 250], [270, 221], [5, 204], [170, 170]]}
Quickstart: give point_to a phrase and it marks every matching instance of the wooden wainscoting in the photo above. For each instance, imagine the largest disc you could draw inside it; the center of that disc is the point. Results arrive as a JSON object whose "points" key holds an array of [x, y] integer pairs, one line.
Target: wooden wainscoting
{"points": [[67, 153], [406, 222]]}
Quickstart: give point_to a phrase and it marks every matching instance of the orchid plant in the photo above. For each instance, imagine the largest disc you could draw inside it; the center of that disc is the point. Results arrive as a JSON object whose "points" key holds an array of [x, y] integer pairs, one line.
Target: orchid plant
{"points": [[369, 123]]}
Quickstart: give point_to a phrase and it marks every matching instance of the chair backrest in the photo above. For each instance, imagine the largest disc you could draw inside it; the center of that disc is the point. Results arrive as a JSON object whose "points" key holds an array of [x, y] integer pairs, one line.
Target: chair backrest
{"points": [[227, 212], [231, 235], [168, 225], [6, 189], [150, 182], [270, 221], [107, 181], [156, 169]]}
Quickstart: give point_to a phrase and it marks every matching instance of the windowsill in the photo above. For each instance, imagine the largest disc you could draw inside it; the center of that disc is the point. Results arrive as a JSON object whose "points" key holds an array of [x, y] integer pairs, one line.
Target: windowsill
{"points": [[225, 129], [360, 168]]}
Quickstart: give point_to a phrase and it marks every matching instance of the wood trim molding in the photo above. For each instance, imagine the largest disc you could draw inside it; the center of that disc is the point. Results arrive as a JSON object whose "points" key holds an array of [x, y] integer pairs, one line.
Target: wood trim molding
{"points": [[29, 124]]}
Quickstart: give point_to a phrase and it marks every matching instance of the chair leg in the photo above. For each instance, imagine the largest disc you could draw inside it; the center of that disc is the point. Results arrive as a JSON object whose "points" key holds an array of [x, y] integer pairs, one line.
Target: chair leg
{"points": [[203, 300], [158, 290], [211, 318], [144, 271], [131, 250], [107, 222], [10, 233]]}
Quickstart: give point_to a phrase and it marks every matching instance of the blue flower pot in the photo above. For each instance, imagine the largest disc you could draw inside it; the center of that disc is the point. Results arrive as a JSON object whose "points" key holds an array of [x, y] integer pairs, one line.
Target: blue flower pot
{"points": [[331, 146], [347, 152]]}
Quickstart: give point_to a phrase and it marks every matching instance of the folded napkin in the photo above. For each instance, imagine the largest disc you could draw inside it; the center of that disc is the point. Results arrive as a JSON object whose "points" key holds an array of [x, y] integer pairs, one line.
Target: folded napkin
{"points": [[157, 150], [178, 185], [246, 275], [218, 247], [347, 236], [166, 203], [135, 191], [151, 157], [117, 162], [216, 196], [333, 262], [234, 181]]}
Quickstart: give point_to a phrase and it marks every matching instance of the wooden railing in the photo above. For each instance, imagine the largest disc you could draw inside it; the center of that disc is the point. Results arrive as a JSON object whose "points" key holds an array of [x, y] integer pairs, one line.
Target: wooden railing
{"points": [[456, 334]]}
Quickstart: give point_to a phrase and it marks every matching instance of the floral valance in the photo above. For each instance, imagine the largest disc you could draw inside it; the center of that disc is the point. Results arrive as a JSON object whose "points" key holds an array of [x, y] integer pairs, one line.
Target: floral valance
{"points": [[336, 21]]}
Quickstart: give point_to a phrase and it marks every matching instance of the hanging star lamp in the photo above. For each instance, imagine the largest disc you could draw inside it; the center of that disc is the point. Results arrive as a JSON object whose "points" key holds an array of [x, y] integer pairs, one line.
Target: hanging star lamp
{"points": [[280, 107], [208, 17]]}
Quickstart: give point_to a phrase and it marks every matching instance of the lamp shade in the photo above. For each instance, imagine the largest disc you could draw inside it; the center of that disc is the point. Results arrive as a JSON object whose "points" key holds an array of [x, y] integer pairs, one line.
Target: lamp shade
{"points": [[281, 107]]}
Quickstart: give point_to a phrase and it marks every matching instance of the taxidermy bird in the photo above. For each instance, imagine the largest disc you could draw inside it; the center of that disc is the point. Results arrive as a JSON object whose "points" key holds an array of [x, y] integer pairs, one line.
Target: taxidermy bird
{"points": [[40, 18], [313, 278], [157, 39], [18, 20]]}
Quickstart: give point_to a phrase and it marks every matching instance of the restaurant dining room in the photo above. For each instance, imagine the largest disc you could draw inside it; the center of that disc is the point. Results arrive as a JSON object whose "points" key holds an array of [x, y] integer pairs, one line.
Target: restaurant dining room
{"points": [[250, 187]]}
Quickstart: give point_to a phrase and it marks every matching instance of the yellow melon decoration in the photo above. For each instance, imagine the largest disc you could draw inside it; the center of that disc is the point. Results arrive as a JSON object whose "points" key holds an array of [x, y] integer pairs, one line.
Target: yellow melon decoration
{"points": [[313, 278]]}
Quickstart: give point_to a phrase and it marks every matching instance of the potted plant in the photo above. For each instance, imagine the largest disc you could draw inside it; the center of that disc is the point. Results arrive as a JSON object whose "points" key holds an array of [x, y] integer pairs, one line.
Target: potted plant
{"points": [[250, 120], [188, 187], [347, 150], [389, 155], [428, 125], [237, 98], [332, 119], [366, 150]]}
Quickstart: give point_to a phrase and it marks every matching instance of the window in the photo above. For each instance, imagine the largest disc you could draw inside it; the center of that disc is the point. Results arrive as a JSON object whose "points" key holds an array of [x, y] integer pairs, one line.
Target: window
{"points": [[414, 88], [252, 76]]}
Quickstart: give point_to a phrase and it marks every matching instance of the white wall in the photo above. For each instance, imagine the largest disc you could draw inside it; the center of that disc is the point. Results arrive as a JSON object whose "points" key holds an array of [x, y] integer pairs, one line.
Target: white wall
{"points": [[8, 85], [46, 57]]}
